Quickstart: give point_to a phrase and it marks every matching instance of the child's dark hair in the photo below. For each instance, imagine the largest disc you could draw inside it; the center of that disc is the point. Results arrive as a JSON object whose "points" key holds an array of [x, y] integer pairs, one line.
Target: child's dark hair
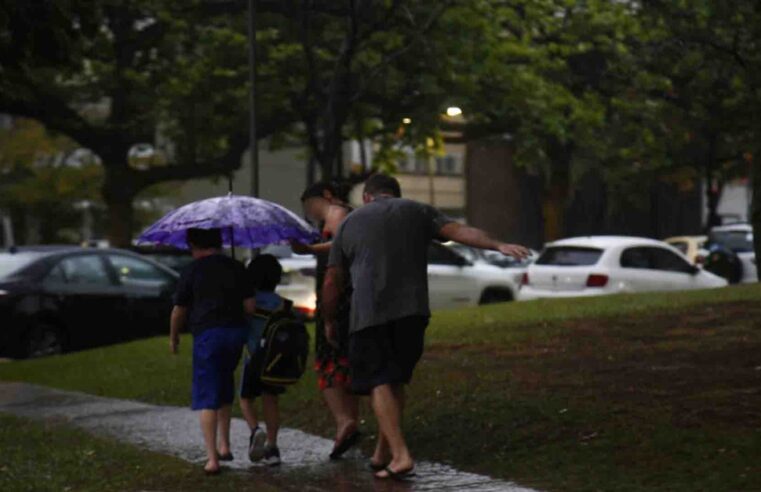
{"points": [[265, 272], [204, 238], [317, 190]]}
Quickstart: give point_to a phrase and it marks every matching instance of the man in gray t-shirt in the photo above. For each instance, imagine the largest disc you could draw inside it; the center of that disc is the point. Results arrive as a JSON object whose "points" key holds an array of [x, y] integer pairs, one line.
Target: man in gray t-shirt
{"points": [[384, 247]]}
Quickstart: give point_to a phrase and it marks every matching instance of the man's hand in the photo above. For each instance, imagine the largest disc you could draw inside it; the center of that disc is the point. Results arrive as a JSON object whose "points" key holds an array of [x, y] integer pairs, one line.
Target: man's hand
{"points": [[331, 334], [174, 344], [177, 322], [478, 238], [514, 250], [300, 248]]}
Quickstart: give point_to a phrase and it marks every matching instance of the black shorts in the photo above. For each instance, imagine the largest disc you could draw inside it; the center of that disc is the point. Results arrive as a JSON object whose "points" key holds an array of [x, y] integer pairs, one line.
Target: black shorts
{"points": [[386, 354], [251, 385]]}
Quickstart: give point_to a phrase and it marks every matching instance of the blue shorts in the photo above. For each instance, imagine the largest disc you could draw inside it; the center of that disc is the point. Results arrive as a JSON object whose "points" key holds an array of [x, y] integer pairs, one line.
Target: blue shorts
{"points": [[216, 352]]}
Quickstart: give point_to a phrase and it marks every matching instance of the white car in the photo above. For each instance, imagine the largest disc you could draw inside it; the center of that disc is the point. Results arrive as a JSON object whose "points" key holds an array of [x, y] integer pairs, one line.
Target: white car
{"points": [[457, 276], [599, 265], [737, 238]]}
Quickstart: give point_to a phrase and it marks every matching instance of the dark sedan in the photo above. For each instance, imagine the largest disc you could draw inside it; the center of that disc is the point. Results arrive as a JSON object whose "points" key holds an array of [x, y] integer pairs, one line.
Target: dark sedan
{"points": [[58, 299]]}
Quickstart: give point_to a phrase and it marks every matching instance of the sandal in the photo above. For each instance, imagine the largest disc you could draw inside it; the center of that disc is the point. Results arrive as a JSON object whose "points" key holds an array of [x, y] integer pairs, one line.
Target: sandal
{"points": [[376, 467], [225, 457], [400, 476], [343, 446]]}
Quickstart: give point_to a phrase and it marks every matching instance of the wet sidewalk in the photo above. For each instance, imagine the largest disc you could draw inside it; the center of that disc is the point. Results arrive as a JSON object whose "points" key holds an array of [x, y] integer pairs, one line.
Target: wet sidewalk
{"points": [[175, 431]]}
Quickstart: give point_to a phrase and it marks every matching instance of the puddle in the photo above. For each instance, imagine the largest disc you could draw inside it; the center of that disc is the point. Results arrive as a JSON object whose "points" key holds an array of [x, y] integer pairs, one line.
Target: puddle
{"points": [[175, 431]]}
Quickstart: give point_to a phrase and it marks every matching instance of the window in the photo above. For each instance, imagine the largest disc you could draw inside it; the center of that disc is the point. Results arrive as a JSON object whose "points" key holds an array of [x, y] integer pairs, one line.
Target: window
{"points": [[737, 241], [663, 259], [449, 164], [653, 258], [81, 270], [681, 246], [441, 255], [569, 256], [134, 271], [12, 263], [635, 258]]}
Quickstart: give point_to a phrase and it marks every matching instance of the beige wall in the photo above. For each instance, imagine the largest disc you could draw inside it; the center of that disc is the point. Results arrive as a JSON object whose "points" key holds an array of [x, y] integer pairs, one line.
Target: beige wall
{"points": [[282, 175]]}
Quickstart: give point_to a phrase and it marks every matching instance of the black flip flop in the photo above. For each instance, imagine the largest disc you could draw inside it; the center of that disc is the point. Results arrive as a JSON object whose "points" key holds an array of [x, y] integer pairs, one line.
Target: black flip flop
{"points": [[345, 445], [225, 457], [399, 476], [375, 468], [212, 473]]}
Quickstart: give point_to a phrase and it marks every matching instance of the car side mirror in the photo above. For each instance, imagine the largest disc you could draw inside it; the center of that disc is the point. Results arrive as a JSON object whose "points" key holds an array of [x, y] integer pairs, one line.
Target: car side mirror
{"points": [[694, 270]]}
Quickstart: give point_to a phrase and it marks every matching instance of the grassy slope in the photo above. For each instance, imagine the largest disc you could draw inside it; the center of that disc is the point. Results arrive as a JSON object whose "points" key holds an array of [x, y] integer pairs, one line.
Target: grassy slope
{"points": [[52, 457], [618, 393]]}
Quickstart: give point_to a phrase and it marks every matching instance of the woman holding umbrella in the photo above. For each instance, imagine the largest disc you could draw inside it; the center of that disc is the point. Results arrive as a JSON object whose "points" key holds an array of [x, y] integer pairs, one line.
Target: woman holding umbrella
{"points": [[324, 204]]}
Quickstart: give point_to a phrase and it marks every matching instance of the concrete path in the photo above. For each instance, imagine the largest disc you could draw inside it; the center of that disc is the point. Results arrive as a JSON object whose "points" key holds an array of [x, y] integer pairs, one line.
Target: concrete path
{"points": [[175, 431]]}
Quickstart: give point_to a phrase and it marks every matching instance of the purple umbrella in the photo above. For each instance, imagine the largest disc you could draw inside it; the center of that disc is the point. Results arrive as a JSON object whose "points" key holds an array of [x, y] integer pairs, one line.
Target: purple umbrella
{"points": [[244, 221]]}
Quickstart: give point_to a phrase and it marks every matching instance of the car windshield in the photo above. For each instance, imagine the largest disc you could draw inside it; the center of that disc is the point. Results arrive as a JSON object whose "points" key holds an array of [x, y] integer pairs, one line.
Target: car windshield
{"points": [[569, 256], [504, 261], [737, 241], [10, 263]]}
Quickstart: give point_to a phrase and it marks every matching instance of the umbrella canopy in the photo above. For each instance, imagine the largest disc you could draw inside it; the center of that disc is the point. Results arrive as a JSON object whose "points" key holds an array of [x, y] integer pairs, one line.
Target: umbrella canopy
{"points": [[245, 221]]}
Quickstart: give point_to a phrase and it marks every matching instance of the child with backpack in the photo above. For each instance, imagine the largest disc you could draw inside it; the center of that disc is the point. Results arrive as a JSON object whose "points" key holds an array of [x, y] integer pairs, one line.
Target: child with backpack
{"points": [[277, 348]]}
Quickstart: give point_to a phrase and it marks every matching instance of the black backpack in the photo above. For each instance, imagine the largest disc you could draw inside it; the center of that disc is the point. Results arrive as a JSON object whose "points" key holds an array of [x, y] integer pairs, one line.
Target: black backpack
{"points": [[285, 347]]}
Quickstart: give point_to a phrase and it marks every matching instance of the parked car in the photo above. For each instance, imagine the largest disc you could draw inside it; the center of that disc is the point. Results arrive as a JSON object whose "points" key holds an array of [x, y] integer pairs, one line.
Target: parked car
{"points": [[690, 246], [729, 253], [455, 280], [299, 279], [174, 258], [63, 298], [598, 265], [457, 276]]}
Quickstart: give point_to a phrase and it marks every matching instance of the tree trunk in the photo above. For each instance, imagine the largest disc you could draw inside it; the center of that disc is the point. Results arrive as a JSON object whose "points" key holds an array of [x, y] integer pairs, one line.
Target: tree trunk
{"points": [[755, 216], [555, 204], [713, 186], [118, 193]]}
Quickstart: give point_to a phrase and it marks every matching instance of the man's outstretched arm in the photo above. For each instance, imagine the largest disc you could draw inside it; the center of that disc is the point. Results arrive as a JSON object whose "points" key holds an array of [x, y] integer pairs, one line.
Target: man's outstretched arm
{"points": [[332, 288], [471, 236]]}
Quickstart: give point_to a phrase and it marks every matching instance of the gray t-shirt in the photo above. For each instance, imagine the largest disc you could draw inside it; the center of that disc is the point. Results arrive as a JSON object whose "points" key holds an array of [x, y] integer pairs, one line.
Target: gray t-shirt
{"points": [[384, 247]]}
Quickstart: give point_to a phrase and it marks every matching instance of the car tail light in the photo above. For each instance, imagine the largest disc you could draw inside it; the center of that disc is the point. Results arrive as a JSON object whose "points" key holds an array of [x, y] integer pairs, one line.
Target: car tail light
{"points": [[524, 279], [306, 311], [597, 280]]}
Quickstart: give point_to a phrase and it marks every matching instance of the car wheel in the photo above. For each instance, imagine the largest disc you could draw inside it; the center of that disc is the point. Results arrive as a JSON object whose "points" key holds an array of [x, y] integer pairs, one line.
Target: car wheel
{"points": [[494, 296], [44, 340]]}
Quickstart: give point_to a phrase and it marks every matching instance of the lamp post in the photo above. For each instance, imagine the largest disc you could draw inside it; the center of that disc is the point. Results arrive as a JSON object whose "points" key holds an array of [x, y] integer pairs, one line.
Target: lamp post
{"points": [[253, 144]]}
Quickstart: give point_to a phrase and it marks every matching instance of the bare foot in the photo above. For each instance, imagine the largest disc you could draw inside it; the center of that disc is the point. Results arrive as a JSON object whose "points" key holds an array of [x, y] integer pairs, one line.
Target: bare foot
{"points": [[345, 430], [212, 467]]}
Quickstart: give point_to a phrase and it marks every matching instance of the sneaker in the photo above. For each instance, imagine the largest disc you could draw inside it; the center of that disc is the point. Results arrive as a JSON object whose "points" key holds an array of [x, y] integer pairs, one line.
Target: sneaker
{"points": [[256, 444], [271, 456]]}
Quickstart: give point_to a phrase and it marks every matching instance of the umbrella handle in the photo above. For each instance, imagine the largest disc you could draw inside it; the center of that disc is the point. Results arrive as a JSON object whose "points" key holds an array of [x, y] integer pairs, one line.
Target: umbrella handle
{"points": [[232, 242]]}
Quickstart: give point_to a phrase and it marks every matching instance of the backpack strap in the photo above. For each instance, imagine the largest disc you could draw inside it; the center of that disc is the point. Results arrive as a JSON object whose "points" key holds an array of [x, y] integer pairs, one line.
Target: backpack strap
{"points": [[286, 306]]}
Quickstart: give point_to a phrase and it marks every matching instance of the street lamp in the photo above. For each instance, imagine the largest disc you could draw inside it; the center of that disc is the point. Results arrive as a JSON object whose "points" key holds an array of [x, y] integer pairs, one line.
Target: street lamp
{"points": [[453, 111], [253, 144]]}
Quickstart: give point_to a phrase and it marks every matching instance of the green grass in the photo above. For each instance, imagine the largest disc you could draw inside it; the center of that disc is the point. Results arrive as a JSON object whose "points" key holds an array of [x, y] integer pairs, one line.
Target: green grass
{"points": [[50, 456], [654, 391]]}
